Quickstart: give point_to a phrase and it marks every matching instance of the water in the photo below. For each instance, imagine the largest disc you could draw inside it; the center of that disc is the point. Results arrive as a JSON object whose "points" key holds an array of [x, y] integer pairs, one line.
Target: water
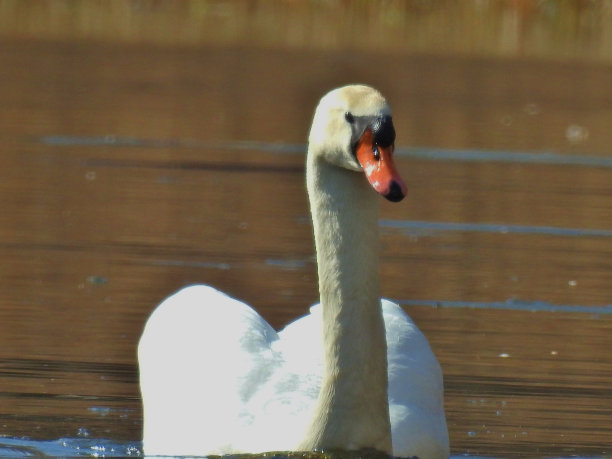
{"points": [[137, 169], [68, 447]]}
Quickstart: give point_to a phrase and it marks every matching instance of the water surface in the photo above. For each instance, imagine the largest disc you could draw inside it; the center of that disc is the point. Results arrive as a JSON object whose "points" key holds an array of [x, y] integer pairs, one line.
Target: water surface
{"points": [[133, 170]]}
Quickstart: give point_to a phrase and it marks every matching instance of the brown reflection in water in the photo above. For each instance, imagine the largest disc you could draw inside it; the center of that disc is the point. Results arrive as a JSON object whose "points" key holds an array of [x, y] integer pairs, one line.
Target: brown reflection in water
{"points": [[549, 29], [92, 237]]}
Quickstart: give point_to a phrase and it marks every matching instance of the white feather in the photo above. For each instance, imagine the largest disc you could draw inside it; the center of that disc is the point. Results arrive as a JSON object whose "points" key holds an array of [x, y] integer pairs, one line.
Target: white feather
{"points": [[254, 389]]}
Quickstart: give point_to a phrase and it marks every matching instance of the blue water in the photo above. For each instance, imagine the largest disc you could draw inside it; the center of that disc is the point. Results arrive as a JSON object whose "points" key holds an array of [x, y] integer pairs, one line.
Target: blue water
{"points": [[68, 447], [97, 447]]}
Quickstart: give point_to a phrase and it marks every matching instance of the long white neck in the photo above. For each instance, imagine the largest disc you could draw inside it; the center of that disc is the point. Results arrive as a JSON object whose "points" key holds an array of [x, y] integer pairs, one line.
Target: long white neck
{"points": [[352, 410]]}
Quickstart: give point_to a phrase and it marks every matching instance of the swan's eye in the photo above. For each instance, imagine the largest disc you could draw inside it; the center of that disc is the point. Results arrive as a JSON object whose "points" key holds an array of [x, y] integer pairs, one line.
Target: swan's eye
{"points": [[349, 117], [375, 152]]}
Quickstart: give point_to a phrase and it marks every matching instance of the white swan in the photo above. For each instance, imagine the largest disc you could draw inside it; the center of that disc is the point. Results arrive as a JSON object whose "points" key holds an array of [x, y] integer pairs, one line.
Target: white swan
{"points": [[216, 378]]}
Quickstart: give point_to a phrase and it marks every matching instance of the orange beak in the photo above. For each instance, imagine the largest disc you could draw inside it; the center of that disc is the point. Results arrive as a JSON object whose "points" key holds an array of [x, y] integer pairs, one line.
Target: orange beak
{"points": [[379, 168]]}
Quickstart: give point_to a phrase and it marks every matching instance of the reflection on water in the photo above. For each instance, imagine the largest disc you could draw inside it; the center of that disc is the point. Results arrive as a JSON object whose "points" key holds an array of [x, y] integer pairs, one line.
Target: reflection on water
{"points": [[136, 170], [437, 154], [68, 447]]}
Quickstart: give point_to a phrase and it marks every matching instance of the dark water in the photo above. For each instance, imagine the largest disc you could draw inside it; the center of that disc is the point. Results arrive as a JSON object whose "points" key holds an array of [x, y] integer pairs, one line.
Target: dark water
{"points": [[130, 171]]}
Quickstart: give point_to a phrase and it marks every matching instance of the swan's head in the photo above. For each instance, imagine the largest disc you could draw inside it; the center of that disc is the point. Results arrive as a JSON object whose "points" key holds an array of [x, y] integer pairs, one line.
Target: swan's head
{"points": [[352, 128]]}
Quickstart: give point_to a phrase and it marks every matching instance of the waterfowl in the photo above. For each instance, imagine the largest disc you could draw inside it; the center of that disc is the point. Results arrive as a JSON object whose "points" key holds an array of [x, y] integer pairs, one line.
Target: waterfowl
{"points": [[353, 373]]}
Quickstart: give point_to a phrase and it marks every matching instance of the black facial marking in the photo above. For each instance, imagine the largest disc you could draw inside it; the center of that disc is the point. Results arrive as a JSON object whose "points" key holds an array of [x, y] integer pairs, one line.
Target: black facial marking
{"points": [[381, 126], [383, 130]]}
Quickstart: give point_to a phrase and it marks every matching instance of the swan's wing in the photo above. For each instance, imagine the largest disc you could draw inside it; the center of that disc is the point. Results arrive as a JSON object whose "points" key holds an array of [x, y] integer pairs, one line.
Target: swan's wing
{"points": [[216, 378], [301, 342], [203, 357], [285, 404], [416, 390]]}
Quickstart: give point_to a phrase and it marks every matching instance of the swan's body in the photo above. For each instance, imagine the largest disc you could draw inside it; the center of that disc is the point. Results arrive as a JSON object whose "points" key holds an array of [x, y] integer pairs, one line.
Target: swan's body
{"points": [[354, 373]]}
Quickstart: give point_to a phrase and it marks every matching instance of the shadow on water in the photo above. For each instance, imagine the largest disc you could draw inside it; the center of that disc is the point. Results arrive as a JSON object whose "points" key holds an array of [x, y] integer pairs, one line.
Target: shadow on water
{"points": [[143, 161]]}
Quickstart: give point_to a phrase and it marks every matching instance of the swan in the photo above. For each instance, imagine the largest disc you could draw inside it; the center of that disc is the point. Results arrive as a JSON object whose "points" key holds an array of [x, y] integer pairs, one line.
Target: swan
{"points": [[354, 373]]}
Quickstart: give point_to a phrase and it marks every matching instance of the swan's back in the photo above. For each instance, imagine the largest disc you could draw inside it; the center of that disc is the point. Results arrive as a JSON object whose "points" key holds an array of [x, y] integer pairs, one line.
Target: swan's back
{"points": [[217, 379], [201, 356], [416, 389]]}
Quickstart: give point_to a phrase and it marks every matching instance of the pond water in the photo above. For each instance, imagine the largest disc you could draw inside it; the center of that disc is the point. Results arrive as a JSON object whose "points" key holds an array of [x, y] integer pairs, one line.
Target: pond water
{"points": [[132, 170]]}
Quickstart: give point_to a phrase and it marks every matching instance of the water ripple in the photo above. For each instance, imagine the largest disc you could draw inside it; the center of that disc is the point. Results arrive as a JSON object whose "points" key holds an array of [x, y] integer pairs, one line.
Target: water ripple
{"points": [[431, 154], [512, 304], [427, 227]]}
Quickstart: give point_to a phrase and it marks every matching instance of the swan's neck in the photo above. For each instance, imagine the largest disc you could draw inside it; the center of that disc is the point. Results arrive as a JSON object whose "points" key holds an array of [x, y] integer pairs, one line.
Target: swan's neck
{"points": [[352, 410]]}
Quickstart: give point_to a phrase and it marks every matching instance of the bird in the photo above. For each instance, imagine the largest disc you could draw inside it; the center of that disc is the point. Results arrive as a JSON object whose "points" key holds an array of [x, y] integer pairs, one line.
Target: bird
{"points": [[354, 373]]}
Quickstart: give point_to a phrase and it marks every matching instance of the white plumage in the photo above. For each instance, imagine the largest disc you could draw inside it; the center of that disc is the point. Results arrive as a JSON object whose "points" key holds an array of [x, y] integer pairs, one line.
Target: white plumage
{"points": [[254, 389], [216, 378]]}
